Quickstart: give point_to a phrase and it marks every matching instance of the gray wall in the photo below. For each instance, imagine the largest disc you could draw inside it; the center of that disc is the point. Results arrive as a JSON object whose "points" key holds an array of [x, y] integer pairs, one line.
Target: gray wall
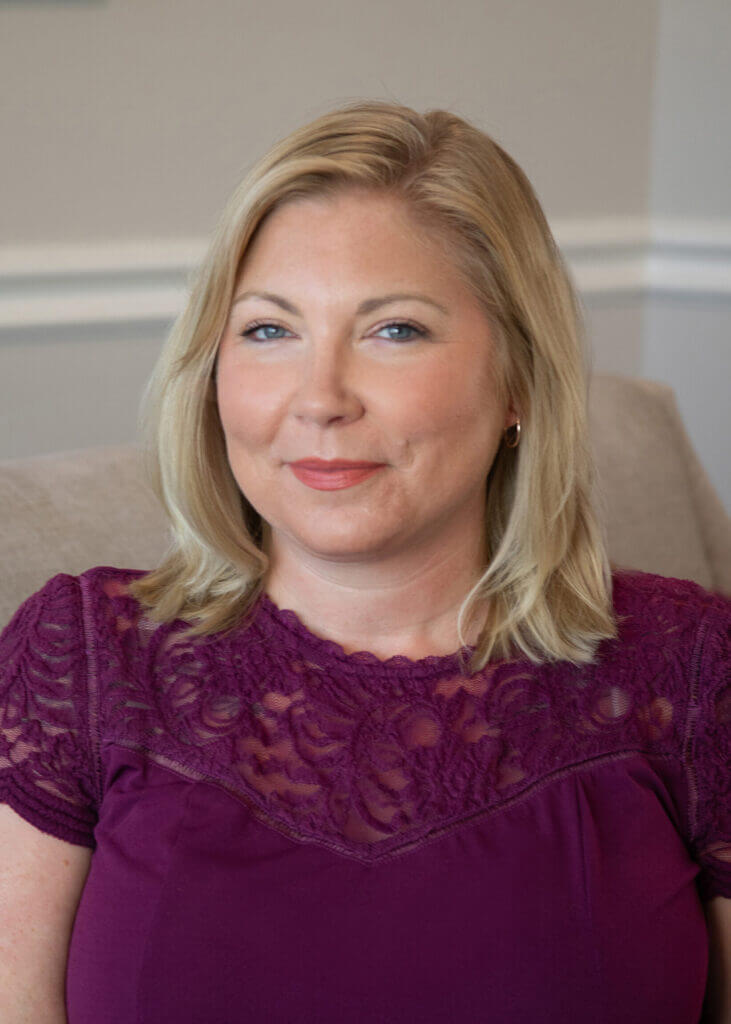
{"points": [[687, 336], [135, 120], [127, 125]]}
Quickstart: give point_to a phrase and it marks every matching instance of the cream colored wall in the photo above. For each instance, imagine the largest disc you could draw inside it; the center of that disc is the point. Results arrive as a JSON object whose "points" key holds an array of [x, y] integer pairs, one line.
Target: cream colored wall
{"points": [[131, 123], [135, 119]]}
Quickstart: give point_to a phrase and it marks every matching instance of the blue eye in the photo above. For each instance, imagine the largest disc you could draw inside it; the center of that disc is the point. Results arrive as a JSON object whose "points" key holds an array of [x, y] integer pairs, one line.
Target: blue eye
{"points": [[253, 328], [407, 325], [250, 331]]}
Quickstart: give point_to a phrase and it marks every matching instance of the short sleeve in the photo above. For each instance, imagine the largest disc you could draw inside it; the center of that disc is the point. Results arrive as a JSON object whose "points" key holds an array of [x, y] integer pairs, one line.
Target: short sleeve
{"points": [[709, 760], [47, 767]]}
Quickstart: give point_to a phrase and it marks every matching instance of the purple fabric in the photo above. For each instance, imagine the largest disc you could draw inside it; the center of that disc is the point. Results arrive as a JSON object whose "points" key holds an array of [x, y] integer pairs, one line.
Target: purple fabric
{"points": [[286, 832]]}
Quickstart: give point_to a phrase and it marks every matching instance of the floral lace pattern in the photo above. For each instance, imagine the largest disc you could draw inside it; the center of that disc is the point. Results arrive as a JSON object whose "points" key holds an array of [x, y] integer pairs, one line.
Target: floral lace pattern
{"points": [[47, 767], [364, 756]]}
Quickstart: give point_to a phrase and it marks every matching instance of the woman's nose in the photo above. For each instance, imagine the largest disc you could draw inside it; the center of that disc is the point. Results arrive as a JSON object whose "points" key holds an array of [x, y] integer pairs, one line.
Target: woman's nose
{"points": [[326, 387]]}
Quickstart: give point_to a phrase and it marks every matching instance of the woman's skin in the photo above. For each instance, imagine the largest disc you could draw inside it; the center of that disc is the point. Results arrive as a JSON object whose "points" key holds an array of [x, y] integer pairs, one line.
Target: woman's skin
{"points": [[382, 565]]}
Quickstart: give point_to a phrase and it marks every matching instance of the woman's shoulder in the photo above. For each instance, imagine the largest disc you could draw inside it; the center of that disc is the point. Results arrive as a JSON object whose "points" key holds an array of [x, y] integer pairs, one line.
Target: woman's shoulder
{"points": [[111, 611], [110, 584], [665, 599], [666, 622], [677, 650], [66, 603], [109, 578]]}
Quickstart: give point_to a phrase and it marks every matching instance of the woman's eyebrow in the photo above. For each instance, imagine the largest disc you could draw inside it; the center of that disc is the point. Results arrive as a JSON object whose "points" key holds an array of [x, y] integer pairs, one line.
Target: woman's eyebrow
{"points": [[367, 306]]}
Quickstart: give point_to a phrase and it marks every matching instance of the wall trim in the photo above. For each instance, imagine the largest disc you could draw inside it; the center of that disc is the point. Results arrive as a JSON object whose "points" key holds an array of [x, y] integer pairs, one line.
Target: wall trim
{"points": [[146, 282]]}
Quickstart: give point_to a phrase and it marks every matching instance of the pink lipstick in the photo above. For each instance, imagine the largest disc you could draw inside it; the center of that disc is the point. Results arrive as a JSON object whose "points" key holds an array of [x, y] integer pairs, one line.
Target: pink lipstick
{"points": [[333, 475]]}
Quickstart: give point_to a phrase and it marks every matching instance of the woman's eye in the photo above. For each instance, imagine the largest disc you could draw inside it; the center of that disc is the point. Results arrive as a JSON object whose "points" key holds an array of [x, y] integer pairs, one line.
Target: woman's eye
{"points": [[403, 323], [251, 331]]}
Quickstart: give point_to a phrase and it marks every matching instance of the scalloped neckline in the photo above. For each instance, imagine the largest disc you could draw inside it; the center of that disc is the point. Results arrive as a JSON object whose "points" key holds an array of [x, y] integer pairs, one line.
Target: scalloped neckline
{"points": [[289, 620]]}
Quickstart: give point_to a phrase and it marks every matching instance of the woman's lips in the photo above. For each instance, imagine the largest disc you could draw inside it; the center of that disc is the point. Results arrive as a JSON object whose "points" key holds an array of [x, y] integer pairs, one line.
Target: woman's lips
{"points": [[332, 479]]}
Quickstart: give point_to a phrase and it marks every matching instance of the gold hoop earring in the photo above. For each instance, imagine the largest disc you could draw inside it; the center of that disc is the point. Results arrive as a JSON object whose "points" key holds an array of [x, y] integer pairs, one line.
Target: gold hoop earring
{"points": [[514, 444]]}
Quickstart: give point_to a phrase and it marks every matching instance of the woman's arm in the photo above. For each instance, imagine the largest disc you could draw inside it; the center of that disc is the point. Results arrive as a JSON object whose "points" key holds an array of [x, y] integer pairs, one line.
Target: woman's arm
{"points": [[717, 1005], [41, 882]]}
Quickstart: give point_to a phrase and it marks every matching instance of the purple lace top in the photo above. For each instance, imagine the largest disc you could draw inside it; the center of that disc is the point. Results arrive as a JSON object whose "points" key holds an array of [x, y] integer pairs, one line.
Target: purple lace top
{"points": [[282, 831]]}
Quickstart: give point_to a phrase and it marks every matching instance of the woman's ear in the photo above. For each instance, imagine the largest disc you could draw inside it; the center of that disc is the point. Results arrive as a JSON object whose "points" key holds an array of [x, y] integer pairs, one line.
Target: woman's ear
{"points": [[512, 416]]}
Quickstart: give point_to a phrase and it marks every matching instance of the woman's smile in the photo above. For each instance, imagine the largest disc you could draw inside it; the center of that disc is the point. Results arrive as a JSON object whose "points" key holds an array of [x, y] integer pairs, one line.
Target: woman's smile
{"points": [[332, 479]]}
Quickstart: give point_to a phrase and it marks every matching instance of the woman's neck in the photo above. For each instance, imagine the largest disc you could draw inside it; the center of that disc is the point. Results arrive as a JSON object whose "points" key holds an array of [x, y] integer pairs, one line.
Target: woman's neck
{"points": [[395, 606]]}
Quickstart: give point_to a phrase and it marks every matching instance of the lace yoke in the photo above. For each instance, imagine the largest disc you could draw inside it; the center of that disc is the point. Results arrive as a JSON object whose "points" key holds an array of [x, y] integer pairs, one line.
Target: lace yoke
{"points": [[368, 758]]}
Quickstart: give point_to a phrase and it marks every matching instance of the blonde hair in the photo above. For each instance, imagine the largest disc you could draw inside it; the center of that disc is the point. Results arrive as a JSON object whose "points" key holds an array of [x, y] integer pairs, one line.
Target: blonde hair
{"points": [[545, 592]]}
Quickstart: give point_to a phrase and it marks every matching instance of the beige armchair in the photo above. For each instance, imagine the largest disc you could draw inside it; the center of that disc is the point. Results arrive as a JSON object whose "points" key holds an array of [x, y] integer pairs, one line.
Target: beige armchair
{"points": [[66, 512]]}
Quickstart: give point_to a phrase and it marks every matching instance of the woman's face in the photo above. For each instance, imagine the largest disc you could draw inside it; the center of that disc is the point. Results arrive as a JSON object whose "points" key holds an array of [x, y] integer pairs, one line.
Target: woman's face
{"points": [[409, 383]]}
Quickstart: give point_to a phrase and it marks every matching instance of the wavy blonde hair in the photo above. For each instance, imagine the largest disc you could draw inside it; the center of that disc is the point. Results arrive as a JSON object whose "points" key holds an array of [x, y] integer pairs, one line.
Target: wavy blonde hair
{"points": [[546, 589]]}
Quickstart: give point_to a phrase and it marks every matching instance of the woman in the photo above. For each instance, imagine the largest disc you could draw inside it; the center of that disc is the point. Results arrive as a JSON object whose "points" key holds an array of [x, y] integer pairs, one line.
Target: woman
{"points": [[384, 737]]}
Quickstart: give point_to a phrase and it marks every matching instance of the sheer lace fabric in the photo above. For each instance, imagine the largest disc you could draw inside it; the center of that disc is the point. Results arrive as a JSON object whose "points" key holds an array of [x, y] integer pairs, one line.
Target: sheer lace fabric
{"points": [[369, 758], [48, 768]]}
